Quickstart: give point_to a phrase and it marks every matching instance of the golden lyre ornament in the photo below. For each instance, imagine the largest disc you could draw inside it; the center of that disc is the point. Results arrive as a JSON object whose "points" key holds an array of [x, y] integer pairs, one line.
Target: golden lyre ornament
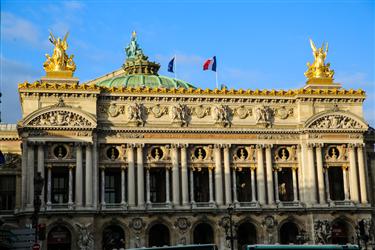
{"points": [[319, 71], [59, 64]]}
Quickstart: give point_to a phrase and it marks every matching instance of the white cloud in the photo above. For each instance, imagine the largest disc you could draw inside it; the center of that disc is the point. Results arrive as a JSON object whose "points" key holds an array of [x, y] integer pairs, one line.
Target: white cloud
{"points": [[18, 28], [74, 5]]}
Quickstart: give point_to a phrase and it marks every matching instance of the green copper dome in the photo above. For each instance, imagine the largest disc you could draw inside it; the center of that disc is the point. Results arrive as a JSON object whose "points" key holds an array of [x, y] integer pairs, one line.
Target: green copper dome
{"points": [[138, 71], [151, 81]]}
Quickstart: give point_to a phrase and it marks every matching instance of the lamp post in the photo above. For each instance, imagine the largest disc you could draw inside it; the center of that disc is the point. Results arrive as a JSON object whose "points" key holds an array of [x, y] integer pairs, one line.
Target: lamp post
{"points": [[38, 188], [302, 237], [227, 224]]}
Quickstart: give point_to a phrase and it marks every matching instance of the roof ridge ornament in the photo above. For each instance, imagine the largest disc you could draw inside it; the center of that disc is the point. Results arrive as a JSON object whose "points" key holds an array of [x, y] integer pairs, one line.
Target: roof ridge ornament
{"points": [[137, 63], [59, 65]]}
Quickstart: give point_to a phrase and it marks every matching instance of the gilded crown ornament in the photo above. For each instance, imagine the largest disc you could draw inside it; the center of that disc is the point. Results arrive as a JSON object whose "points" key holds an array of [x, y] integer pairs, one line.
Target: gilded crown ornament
{"points": [[137, 63], [319, 71], [59, 65]]}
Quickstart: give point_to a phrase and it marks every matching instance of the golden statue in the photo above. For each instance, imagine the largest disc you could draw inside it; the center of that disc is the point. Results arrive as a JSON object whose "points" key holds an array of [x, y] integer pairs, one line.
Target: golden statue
{"points": [[59, 64], [318, 71]]}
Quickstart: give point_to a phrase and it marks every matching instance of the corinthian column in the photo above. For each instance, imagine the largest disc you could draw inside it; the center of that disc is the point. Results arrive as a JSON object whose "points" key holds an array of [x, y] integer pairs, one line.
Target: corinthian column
{"points": [[123, 191], [218, 176], [319, 162], [30, 175], [49, 185], [362, 177], [88, 176], [228, 198], [175, 176], [269, 174], [79, 180], [24, 172], [102, 186], [310, 178], [140, 176], [353, 183], [131, 176], [70, 196], [260, 176], [184, 177], [252, 176], [210, 186], [41, 165]]}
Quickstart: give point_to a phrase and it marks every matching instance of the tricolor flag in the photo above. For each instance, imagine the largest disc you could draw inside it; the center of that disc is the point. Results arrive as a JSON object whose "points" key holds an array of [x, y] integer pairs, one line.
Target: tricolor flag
{"points": [[210, 64], [171, 65]]}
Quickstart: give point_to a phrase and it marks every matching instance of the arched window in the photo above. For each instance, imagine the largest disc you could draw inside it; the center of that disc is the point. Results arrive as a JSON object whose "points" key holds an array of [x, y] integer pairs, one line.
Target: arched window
{"points": [[113, 238], [158, 236], [340, 233], [288, 233], [59, 238], [246, 235], [203, 234]]}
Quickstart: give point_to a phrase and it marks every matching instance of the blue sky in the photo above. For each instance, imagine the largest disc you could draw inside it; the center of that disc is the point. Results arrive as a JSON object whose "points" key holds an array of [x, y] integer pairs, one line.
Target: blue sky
{"points": [[258, 44]]}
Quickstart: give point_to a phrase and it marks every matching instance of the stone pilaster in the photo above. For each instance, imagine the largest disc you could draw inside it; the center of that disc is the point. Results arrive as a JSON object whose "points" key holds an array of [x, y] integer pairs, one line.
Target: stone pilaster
{"points": [[320, 177], [102, 186], [175, 176], [123, 184], [88, 176], [140, 176], [30, 175], [79, 176], [70, 195], [184, 177], [362, 173], [261, 181]]}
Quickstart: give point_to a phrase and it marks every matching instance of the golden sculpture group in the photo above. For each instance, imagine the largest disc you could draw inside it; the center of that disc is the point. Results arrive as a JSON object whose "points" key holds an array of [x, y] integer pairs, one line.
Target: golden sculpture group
{"points": [[59, 64]]}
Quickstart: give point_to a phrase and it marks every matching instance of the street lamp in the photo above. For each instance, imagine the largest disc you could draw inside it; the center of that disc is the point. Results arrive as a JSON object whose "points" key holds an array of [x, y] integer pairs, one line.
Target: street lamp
{"points": [[227, 224], [302, 237], [38, 188]]}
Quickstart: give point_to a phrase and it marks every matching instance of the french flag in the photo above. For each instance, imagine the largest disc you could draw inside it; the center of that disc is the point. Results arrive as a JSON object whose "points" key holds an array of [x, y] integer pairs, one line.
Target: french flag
{"points": [[210, 64]]}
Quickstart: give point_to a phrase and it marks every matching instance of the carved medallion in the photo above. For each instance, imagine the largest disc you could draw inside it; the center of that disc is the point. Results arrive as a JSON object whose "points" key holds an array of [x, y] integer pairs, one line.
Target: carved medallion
{"points": [[242, 112], [201, 111]]}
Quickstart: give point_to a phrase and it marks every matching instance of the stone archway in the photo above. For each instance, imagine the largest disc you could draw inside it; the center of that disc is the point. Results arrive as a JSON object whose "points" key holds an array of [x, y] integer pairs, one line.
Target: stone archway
{"points": [[59, 238], [113, 238], [158, 236], [203, 234], [288, 233], [340, 232], [246, 235]]}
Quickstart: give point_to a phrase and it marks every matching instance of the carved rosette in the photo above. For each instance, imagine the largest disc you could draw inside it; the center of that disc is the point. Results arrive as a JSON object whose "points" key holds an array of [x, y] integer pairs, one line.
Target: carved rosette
{"points": [[242, 112], [201, 111], [112, 110]]}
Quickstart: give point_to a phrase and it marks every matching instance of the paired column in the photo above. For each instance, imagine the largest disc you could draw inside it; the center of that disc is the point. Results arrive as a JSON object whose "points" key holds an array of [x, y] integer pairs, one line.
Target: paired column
{"points": [[79, 180], [345, 181], [192, 186], [140, 176], [88, 176], [167, 195], [24, 173], [234, 181], [70, 196], [310, 175], [276, 188], [30, 175], [131, 176], [218, 176], [49, 184], [41, 166], [123, 190], [148, 194], [102, 186], [319, 163], [295, 190], [95, 164], [175, 177], [353, 175], [184, 177], [252, 173], [260, 177], [210, 186], [362, 177], [269, 175], [228, 197]]}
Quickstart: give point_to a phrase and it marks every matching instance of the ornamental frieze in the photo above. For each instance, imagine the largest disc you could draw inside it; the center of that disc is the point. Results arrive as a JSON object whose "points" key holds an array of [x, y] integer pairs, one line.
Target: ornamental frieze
{"points": [[113, 110], [60, 118], [134, 114], [283, 112], [242, 112], [278, 137], [11, 161], [179, 114], [336, 122], [157, 110], [221, 115], [264, 115], [201, 111]]}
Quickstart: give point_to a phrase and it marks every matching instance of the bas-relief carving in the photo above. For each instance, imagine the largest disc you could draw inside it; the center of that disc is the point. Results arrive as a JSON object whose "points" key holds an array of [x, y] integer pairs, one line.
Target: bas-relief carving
{"points": [[283, 112], [323, 231], [60, 118], [278, 137], [85, 237], [179, 114], [201, 111], [264, 115], [11, 161], [336, 153], [221, 114], [157, 110], [336, 122], [135, 114], [113, 110], [242, 112]]}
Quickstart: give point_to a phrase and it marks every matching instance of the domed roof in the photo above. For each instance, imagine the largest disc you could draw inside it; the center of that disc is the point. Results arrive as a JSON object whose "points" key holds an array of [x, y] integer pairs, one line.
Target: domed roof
{"points": [[138, 71], [140, 80]]}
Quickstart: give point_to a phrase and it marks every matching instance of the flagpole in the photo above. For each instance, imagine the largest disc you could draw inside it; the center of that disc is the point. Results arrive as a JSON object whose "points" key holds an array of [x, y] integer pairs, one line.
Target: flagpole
{"points": [[175, 67], [217, 83]]}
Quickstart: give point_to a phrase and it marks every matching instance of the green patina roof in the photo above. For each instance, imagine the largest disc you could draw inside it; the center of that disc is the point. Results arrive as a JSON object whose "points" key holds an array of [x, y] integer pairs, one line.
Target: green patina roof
{"points": [[138, 71], [151, 81]]}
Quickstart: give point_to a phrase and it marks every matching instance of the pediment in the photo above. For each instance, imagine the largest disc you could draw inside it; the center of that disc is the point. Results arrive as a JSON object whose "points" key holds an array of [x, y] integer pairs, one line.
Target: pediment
{"points": [[338, 120]]}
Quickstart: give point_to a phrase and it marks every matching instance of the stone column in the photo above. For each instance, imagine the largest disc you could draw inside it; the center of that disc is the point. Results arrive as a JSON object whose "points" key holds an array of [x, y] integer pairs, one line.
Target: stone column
{"points": [[24, 173], [148, 194], [210, 186], [353, 175], [192, 186], [276, 187], [123, 190], [319, 162], [326, 181], [269, 174], [102, 186], [30, 176], [140, 176], [131, 176], [167, 196], [261, 182], [175, 176], [70, 196], [79, 180], [252, 173], [345, 181], [95, 174], [49, 184], [41, 166], [218, 176], [234, 180], [362, 177], [295, 190], [184, 177], [88, 176], [310, 178], [228, 196]]}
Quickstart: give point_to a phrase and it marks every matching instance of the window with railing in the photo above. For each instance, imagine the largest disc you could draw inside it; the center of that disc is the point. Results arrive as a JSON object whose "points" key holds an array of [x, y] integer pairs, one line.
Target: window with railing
{"points": [[112, 187], [60, 186]]}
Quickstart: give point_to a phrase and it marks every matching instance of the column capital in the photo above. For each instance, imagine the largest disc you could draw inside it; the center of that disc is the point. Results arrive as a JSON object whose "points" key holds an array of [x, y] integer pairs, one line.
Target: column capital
{"points": [[174, 146], [345, 167], [218, 146], [253, 166], [259, 146], [49, 166], [360, 145], [102, 166], [139, 145], [184, 145], [71, 166], [268, 146], [226, 146], [351, 145], [129, 145], [319, 145], [123, 166], [310, 145], [79, 144]]}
